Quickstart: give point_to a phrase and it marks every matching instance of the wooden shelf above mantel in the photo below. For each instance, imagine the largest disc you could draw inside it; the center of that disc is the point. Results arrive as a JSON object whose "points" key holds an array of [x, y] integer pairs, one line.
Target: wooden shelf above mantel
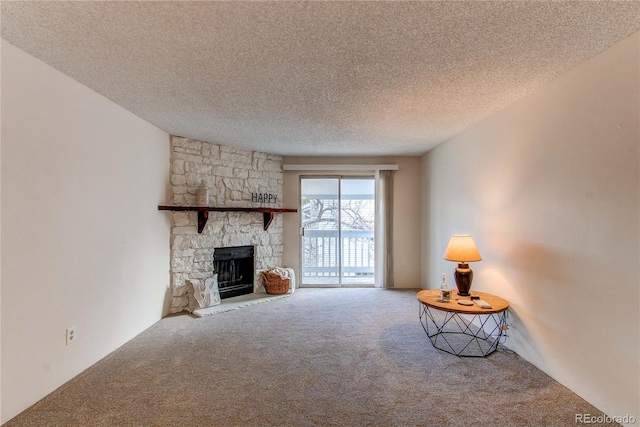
{"points": [[203, 213]]}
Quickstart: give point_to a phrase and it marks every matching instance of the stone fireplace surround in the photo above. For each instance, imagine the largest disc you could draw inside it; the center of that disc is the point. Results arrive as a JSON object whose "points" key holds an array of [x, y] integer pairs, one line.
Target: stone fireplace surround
{"points": [[231, 174]]}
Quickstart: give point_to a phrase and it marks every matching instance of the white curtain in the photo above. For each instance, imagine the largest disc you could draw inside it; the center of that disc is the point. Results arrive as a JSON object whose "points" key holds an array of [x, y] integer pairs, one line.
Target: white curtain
{"points": [[384, 229]]}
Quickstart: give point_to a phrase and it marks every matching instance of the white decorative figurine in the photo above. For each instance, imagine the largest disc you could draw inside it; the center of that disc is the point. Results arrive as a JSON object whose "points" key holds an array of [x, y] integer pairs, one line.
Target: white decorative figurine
{"points": [[445, 292]]}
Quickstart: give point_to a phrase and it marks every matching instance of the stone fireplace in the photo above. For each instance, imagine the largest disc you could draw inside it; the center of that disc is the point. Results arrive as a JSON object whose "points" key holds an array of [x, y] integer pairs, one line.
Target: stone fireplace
{"points": [[231, 175]]}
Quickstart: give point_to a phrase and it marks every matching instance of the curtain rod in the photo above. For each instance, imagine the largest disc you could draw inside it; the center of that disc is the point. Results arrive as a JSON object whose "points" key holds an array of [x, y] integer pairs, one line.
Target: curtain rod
{"points": [[325, 167]]}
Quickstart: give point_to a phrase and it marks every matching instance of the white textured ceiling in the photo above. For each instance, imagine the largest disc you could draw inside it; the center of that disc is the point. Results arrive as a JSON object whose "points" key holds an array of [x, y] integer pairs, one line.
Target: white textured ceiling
{"points": [[316, 78]]}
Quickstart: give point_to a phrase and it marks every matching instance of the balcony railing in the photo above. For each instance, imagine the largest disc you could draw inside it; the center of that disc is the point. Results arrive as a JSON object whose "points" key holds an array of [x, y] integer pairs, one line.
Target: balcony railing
{"points": [[321, 250]]}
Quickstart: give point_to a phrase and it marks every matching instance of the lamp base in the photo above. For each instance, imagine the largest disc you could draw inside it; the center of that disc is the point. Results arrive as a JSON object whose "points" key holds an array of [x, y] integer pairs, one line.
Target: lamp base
{"points": [[463, 276]]}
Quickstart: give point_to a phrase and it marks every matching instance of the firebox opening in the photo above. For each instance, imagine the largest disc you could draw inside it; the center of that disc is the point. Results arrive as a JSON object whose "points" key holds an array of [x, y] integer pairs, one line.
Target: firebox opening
{"points": [[235, 269]]}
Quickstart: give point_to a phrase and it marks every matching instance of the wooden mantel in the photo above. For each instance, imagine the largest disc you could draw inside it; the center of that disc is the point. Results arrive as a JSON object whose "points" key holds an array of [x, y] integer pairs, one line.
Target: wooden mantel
{"points": [[203, 213]]}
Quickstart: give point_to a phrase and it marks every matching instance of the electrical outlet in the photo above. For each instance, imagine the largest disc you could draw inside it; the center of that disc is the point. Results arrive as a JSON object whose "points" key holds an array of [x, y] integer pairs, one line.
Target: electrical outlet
{"points": [[71, 335]]}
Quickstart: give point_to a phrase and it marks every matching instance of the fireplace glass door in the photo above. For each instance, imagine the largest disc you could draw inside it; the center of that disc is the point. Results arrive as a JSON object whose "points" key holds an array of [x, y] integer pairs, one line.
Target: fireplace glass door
{"points": [[337, 227], [235, 269]]}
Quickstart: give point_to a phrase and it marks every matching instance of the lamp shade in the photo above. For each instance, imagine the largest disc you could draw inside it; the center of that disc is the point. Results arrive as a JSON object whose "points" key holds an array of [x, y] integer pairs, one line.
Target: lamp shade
{"points": [[462, 249]]}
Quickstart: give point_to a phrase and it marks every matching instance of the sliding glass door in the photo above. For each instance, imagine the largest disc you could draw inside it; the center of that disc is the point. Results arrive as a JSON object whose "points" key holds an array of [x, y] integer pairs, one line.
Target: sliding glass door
{"points": [[337, 224]]}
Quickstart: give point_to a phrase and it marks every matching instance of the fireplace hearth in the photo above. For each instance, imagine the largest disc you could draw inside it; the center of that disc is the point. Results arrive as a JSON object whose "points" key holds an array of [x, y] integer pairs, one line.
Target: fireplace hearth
{"points": [[235, 269]]}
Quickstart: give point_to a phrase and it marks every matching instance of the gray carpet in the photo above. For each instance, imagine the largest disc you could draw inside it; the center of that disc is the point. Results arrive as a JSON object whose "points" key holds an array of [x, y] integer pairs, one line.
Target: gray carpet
{"points": [[323, 357]]}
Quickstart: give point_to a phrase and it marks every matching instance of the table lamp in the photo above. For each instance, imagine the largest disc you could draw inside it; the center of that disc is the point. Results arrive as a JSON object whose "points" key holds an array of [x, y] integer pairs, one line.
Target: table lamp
{"points": [[462, 250]]}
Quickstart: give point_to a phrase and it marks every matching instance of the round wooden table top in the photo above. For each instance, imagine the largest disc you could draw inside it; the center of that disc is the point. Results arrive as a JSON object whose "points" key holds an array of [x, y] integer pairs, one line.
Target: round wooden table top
{"points": [[431, 298]]}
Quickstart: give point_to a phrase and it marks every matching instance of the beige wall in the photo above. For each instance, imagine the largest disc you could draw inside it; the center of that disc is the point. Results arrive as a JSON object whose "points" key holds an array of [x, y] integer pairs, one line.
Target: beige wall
{"points": [[82, 240], [549, 188], [406, 213]]}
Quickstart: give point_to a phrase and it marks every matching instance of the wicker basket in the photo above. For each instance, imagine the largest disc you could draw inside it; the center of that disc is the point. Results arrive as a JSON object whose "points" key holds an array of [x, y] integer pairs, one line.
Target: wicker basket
{"points": [[274, 284]]}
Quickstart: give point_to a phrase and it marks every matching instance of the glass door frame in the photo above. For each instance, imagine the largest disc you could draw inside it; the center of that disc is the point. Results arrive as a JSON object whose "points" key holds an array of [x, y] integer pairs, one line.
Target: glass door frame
{"points": [[340, 255]]}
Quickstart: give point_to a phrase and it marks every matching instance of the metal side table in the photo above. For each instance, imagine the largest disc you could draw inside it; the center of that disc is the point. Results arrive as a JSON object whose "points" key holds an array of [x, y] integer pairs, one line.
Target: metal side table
{"points": [[463, 330]]}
